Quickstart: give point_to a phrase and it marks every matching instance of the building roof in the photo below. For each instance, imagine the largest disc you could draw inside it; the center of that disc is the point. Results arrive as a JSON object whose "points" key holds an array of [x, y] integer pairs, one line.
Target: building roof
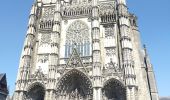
{"points": [[3, 84], [3, 79], [1, 76]]}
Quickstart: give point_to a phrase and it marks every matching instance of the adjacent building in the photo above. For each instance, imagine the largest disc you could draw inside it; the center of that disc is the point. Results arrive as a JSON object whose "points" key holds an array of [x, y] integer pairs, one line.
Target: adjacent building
{"points": [[3, 87]]}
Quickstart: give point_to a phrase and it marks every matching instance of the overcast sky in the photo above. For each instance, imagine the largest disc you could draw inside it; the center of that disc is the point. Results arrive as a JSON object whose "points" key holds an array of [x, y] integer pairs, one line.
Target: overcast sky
{"points": [[154, 24]]}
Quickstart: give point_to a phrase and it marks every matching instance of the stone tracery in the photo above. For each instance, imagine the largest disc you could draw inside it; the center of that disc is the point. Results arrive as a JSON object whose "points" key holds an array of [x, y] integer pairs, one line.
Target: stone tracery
{"points": [[107, 12], [77, 37]]}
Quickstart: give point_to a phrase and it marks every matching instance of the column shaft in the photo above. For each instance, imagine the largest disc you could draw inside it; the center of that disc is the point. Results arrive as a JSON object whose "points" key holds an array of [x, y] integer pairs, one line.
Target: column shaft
{"points": [[97, 79], [54, 54], [126, 44]]}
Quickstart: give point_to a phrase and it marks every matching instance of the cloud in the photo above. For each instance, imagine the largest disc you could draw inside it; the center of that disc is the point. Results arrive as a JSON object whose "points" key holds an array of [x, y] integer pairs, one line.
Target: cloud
{"points": [[164, 98]]}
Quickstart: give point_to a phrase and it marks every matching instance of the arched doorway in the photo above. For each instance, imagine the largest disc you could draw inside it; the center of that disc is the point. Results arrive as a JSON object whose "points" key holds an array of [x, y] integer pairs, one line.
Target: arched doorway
{"points": [[36, 92], [74, 86], [114, 90]]}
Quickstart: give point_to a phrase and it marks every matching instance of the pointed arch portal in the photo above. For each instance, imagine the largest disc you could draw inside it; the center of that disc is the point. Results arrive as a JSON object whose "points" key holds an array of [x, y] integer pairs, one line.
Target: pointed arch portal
{"points": [[75, 85], [36, 92], [114, 90]]}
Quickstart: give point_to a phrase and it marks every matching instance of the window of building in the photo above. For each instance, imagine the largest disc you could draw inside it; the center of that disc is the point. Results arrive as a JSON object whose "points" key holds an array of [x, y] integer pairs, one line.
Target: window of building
{"points": [[78, 37]]}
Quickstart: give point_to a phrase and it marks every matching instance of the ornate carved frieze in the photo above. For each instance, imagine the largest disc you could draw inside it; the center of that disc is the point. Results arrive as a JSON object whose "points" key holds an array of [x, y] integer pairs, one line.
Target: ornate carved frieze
{"points": [[76, 2], [110, 52], [81, 10], [48, 12], [46, 24], [109, 32], [107, 12], [46, 19], [110, 40], [45, 38], [112, 69], [38, 75], [107, 8], [43, 58]]}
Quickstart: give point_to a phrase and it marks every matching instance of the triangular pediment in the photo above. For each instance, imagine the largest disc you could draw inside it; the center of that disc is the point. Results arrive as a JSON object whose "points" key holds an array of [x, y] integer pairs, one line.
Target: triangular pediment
{"points": [[38, 75], [112, 69], [74, 62]]}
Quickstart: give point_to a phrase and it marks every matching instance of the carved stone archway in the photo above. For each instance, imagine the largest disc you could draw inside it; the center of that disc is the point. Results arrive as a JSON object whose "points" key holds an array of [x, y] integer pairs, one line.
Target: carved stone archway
{"points": [[36, 92], [74, 85], [114, 90]]}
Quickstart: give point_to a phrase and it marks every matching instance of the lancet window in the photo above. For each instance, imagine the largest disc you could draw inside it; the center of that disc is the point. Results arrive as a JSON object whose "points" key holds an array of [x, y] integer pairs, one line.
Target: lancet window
{"points": [[77, 36]]}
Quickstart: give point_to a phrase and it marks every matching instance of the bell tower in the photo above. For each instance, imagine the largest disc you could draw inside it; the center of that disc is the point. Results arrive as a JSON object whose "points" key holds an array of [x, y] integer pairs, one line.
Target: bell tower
{"points": [[83, 50]]}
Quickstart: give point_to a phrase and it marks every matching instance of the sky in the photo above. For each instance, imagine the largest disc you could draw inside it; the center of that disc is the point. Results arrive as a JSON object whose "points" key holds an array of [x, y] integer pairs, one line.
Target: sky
{"points": [[154, 26]]}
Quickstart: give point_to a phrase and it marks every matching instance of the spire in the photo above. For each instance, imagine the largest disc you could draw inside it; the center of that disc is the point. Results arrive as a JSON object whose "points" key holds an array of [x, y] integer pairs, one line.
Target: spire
{"points": [[145, 50], [150, 76], [146, 57]]}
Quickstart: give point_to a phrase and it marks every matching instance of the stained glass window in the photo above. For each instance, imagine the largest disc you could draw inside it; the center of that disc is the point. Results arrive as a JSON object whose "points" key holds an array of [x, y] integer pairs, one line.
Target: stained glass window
{"points": [[77, 36]]}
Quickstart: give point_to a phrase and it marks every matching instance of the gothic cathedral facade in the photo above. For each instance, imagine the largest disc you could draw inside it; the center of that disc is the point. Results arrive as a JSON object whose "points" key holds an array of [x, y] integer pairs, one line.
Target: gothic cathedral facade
{"points": [[84, 50]]}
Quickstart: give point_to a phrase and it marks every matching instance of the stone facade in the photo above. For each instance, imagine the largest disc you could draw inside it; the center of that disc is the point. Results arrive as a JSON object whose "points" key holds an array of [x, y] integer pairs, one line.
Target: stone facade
{"points": [[84, 50]]}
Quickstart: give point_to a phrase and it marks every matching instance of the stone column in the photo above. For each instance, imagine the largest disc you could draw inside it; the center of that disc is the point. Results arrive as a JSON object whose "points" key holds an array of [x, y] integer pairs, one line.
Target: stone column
{"points": [[96, 52], [25, 61], [54, 55], [126, 44]]}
